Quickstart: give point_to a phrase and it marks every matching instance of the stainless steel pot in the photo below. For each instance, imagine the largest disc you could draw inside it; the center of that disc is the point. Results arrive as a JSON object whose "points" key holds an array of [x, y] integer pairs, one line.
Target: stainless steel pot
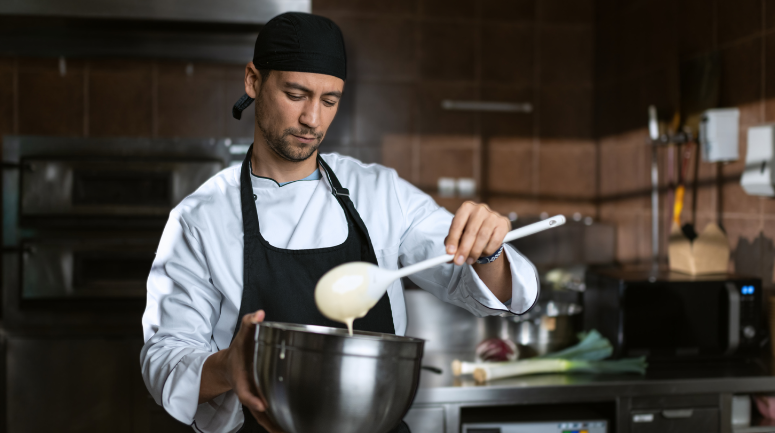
{"points": [[551, 328], [548, 327], [317, 379]]}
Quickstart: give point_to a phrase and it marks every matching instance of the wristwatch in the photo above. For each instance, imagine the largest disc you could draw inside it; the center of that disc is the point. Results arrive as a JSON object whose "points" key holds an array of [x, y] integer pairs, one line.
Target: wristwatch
{"points": [[492, 258]]}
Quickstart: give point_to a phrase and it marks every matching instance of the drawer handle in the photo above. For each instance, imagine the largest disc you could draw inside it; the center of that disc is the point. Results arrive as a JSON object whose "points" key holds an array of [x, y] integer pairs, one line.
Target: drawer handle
{"points": [[643, 417], [677, 413]]}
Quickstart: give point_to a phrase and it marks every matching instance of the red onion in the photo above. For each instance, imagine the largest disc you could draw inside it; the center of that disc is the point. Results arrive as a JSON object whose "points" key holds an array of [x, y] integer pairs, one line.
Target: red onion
{"points": [[496, 350]]}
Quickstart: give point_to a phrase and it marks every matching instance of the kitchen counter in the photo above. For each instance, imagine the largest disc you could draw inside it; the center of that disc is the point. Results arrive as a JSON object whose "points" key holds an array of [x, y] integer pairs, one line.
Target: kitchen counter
{"points": [[444, 403], [660, 379], [690, 385]]}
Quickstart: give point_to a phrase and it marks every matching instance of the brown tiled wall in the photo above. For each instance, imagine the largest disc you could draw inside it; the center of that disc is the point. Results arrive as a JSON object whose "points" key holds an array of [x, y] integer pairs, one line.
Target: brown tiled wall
{"points": [[406, 56], [120, 98], [590, 68], [640, 46]]}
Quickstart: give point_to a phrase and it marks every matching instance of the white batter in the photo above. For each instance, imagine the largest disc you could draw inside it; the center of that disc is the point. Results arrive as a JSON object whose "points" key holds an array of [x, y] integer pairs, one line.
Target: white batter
{"points": [[342, 294]]}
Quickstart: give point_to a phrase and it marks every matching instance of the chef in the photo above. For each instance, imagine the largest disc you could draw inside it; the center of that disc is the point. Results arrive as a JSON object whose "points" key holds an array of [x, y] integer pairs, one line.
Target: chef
{"points": [[251, 243]]}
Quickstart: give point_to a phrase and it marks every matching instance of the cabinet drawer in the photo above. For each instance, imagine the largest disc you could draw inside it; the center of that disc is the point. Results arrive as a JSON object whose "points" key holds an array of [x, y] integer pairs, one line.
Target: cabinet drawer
{"points": [[683, 420], [425, 419]]}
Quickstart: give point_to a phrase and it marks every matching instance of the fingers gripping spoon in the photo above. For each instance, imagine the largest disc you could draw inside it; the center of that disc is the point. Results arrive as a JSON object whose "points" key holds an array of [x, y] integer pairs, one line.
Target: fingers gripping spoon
{"points": [[350, 290]]}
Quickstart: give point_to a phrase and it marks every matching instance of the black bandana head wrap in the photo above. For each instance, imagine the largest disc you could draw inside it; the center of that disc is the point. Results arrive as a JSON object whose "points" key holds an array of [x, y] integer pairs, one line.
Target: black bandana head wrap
{"points": [[295, 41]]}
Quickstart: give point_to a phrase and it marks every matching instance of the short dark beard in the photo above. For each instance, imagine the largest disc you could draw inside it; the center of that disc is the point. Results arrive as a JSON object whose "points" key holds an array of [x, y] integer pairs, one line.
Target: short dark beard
{"points": [[279, 142]]}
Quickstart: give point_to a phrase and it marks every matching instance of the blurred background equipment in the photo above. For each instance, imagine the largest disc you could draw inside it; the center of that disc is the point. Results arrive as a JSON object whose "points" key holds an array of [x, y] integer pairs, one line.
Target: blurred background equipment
{"points": [[759, 176], [229, 11], [584, 241], [676, 317], [719, 134], [703, 254], [81, 223], [562, 256]]}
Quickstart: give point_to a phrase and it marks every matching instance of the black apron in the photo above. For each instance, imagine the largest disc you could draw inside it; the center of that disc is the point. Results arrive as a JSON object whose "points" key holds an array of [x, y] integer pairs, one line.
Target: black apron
{"points": [[282, 282]]}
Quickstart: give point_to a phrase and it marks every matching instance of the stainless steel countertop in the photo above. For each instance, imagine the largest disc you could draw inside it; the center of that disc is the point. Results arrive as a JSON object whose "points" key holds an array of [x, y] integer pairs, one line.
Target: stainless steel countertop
{"points": [[452, 333], [700, 378]]}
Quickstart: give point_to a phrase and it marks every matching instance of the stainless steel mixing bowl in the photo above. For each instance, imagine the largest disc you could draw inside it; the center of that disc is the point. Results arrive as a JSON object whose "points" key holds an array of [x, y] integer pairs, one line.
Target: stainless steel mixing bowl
{"points": [[317, 379]]}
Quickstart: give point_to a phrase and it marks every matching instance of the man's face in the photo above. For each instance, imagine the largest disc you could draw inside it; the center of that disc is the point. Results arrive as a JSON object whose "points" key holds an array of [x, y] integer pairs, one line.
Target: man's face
{"points": [[294, 111]]}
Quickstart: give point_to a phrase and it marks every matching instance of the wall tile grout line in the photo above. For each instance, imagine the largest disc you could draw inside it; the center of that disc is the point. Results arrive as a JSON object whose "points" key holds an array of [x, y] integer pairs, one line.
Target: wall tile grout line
{"points": [[598, 150], [537, 52], [222, 117], [15, 84], [742, 40], [481, 163], [155, 100], [763, 96], [419, 55], [86, 83]]}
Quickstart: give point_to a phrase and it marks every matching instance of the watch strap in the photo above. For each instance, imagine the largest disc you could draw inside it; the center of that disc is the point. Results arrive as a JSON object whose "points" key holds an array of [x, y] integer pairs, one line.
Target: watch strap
{"points": [[492, 258]]}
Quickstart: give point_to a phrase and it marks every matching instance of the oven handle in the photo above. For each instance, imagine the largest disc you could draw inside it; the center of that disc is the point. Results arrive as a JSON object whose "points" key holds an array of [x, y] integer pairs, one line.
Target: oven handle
{"points": [[16, 166], [677, 413], [17, 249], [734, 318]]}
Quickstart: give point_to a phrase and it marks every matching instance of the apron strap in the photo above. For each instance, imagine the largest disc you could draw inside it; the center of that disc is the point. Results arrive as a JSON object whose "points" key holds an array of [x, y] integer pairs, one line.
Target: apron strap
{"points": [[343, 196], [336, 188], [250, 228], [250, 221]]}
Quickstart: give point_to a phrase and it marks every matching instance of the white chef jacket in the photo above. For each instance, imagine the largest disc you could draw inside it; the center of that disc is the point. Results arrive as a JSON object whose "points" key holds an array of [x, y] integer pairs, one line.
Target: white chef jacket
{"points": [[195, 284]]}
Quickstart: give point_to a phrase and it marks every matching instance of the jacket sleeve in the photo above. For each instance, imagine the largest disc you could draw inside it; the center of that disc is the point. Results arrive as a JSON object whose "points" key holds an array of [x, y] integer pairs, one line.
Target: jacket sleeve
{"points": [[426, 225], [182, 309]]}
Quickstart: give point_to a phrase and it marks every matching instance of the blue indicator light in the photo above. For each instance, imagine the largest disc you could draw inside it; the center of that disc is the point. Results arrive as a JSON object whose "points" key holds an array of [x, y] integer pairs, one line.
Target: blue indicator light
{"points": [[747, 290]]}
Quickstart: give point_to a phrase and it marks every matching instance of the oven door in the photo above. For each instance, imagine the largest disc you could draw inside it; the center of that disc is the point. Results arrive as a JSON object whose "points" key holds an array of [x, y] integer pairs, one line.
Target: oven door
{"points": [[92, 188], [85, 280], [86, 269]]}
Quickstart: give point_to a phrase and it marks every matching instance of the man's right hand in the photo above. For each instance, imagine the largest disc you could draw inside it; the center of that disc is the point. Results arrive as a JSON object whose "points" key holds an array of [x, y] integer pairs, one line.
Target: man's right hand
{"points": [[230, 369]]}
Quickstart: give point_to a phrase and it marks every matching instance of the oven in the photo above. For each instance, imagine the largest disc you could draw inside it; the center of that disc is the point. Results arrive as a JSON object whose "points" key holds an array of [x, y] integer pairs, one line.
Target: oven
{"points": [[82, 219]]}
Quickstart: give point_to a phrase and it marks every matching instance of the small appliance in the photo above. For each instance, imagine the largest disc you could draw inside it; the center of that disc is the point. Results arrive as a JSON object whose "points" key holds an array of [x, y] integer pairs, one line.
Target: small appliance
{"points": [[759, 177], [719, 134], [672, 316]]}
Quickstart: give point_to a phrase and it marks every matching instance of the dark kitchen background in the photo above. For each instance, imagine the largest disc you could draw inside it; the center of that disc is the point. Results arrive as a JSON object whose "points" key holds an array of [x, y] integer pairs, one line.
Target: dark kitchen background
{"points": [[589, 68]]}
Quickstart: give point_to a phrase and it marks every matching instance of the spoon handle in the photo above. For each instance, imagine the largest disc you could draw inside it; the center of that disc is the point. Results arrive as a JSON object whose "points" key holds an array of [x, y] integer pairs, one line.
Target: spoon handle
{"points": [[423, 265], [521, 232], [540, 226]]}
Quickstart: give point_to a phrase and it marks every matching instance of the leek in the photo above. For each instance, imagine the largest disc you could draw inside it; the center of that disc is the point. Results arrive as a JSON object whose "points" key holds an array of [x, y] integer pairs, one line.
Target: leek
{"points": [[592, 347], [462, 367], [585, 357], [484, 372]]}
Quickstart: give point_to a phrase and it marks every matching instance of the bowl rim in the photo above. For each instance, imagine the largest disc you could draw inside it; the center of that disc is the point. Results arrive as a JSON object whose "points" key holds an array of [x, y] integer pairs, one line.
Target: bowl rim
{"points": [[340, 332]]}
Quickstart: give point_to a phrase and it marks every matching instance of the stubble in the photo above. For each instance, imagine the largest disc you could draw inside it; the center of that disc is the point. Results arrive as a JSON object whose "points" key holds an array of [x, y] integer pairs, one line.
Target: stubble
{"points": [[280, 142]]}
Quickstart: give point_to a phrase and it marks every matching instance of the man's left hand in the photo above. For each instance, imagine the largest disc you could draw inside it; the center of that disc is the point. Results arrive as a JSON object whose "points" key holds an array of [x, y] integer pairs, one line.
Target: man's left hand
{"points": [[476, 231]]}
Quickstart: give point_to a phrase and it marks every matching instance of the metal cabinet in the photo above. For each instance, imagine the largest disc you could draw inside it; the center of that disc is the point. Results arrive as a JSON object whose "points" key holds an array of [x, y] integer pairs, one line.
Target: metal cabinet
{"points": [[676, 420], [675, 414], [78, 384], [74, 384], [706, 413], [425, 419]]}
